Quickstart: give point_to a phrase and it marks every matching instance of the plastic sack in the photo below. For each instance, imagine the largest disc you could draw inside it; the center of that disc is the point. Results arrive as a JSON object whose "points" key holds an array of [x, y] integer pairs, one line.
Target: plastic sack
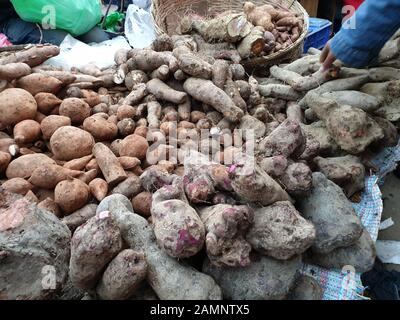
{"points": [[139, 27], [74, 53], [74, 16]]}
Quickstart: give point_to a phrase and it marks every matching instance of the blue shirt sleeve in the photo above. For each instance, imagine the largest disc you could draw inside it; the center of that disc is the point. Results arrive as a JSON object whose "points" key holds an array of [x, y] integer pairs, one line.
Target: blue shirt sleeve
{"points": [[375, 22]]}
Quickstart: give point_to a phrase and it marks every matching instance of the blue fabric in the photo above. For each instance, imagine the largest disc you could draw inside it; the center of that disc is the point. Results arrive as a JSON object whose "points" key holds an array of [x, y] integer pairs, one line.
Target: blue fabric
{"points": [[375, 22]]}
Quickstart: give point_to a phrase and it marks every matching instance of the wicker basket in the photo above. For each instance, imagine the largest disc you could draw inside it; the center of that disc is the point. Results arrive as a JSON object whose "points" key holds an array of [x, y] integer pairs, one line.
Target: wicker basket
{"points": [[168, 13]]}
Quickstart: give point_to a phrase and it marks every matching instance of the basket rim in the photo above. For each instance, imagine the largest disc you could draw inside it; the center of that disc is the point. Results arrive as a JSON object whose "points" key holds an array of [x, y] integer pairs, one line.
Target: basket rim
{"points": [[265, 59]]}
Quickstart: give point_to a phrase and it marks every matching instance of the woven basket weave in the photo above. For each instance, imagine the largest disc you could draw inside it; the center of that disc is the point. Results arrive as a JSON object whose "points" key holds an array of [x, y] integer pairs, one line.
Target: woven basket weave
{"points": [[168, 13]]}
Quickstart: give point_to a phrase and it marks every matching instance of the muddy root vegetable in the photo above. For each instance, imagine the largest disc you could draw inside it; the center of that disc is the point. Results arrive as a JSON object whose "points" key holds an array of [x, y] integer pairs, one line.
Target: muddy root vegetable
{"points": [[27, 131], [164, 92], [130, 187], [75, 109], [16, 105], [253, 44], [142, 203], [139, 91], [134, 146], [50, 124], [93, 245], [195, 66], [149, 60], [13, 71], [100, 128], [297, 179], [46, 102], [206, 92], [123, 276], [33, 56], [226, 227], [79, 217], [47, 176], [36, 82], [17, 185], [71, 195], [68, 143], [109, 164], [23, 166]]}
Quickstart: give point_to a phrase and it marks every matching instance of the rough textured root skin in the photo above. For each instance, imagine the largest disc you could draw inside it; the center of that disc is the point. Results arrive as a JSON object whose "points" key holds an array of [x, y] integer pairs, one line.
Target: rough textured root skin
{"points": [[195, 66], [253, 44], [226, 226], [161, 73], [227, 28], [49, 205], [138, 92], [129, 187], [286, 140], [47, 176], [347, 172], [13, 71], [66, 78], [184, 110], [384, 74], [154, 178], [351, 128], [23, 166], [286, 76], [390, 50], [332, 214], [390, 131], [238, 71], [138, 234], [306, 288], [304, 65], [5, 159], [177, 227], [121, 56], [279, 231], [274, 166], [135, 77], [317, 132], [233, 92], [250, 123], [36, 83], [352, 83], [264, 279], [313, 81], [16, 105], [297, 179], [71, 195], [244, 89], [78, 164], [356, 99], [154, 110], [33, 56], [149, 60], [109, 164], [312, 147], [361, 255], [93, 245], [17, 185], [122, 276], [294, 112], [98, 188], [206, 92], [46, 102], [279, 91], [252, 184], [80, 216], [162, 43], [220, 73], [164, 92], [198, 187], [29, 237]]}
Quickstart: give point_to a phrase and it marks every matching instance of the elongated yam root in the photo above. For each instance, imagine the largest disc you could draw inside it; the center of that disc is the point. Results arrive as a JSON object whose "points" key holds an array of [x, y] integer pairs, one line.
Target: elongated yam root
{"points": [[79, 217], [226, 227], [180, 232], [164, 92], [93, 245], [162, 43], [13, 71], [109, 164], [161, 73], [253, 44], [48, 176], [194, 66], [78, 164], [123, 276], [36, 82], [227, 28], [139, 91], [33, 56], [130, 187], [149, 60], [17, 185], [71, 195], [356, 99], [46, 102], [98, 188], [23, 166], [206, 92], [279, 91]]}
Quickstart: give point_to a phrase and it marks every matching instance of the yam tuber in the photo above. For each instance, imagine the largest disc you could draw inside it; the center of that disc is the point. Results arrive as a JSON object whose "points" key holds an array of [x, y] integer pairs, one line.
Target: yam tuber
{"points": [[71, 195]]}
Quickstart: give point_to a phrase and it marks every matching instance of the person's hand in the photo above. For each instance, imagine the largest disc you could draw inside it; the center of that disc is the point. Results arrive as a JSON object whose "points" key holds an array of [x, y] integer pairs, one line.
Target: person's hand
{"points": [[327, 57]]}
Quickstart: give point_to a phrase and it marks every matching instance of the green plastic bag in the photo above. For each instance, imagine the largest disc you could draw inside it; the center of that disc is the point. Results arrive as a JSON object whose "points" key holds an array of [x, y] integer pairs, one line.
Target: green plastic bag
{"points": [[74, 16]]}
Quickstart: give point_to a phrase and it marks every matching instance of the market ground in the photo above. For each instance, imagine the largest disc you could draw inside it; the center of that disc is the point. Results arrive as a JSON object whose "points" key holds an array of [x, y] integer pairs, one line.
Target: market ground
{"points": [[391, 208]]}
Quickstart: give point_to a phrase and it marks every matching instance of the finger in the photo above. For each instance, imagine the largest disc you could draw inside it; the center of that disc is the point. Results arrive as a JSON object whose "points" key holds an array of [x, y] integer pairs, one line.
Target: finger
{"points": [[324, 53], [330, 59]]}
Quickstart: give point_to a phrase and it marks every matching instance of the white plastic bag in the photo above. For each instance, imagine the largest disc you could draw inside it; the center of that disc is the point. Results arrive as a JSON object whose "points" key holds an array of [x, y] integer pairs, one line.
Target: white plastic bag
{"points": [[74, 53], [139, 27]]}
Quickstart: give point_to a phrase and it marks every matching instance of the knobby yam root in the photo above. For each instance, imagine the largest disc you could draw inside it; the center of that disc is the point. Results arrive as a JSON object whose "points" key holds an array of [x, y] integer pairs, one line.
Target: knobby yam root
{"points": [[226, 226]]}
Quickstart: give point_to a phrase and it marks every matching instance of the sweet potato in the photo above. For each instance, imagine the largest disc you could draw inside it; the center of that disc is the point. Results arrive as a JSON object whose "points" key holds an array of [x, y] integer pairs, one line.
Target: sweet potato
{"points": [[27, 131], [134, 146], [16, 105], [75, 109], [258, 16], [71, 195], [48, 176], [13, 71], [69, 143], [5, 159], [46, 102], [135, 77], [130, 187], [123, 276], [65, 77], [142, 203], [100, 128], [23, 166], [36, 82], [50, 124], [78, 164], [33, 56], [49, 205], [80, 216], [17, 185], [98, 188]]}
